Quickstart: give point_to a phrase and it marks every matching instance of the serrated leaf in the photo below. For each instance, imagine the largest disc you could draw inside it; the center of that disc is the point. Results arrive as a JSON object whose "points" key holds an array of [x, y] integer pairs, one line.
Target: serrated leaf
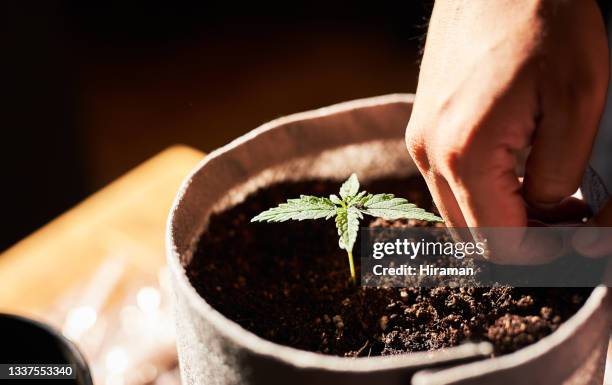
{"points": [[351, 201], [371, 200], [389, 207], [359, 202], [334, 198], [347, 223], [350, 187], [305, 207]]}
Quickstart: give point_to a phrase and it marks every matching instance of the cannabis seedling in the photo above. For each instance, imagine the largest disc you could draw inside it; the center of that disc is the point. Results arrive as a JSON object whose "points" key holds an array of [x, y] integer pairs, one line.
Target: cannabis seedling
{"points": [[348, 209]]}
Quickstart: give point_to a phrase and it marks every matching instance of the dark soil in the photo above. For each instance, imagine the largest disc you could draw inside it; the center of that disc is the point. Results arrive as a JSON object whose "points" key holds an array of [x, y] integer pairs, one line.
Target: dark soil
{"points": [[289, 283]]}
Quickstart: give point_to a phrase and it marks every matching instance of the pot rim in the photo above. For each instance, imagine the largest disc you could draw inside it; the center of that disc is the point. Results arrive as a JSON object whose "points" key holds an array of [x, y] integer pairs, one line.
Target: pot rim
{"points": [[306, 359]]}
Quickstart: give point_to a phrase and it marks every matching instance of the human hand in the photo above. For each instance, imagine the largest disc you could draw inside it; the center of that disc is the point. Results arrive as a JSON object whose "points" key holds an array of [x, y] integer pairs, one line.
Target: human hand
{"points": [[499, 78]]}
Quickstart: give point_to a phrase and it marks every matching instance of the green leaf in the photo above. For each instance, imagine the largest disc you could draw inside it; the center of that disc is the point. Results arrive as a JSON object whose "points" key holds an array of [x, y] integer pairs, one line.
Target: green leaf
{"points": [[347, 223], [362, 199], [350, 187], [334, 198], [305, 207], [387, 206], [351, 201]]}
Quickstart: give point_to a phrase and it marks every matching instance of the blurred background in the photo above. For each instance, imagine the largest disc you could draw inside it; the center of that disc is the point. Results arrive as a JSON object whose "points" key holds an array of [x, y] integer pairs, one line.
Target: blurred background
{"points": [[92, 90]]}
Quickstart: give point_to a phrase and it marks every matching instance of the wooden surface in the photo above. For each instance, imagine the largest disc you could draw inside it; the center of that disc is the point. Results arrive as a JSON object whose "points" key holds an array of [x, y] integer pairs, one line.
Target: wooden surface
{"points": [[127, 219]]}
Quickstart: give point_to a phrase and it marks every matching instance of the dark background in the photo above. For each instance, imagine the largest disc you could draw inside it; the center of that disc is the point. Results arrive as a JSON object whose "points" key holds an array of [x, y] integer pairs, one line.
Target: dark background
{"points": [[90, 91]]}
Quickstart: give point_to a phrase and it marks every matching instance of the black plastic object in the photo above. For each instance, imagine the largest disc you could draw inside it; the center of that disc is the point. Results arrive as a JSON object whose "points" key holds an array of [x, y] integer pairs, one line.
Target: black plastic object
{"points": [[25, 341]]}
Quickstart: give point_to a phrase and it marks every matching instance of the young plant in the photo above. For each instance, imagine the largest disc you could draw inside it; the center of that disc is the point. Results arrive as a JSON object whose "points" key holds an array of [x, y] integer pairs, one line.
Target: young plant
{"points": [[347, 209]]}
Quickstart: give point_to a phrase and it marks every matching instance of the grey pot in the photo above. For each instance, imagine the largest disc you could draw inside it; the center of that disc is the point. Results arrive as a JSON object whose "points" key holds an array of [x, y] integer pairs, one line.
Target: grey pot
{"points": [[364, 136]]}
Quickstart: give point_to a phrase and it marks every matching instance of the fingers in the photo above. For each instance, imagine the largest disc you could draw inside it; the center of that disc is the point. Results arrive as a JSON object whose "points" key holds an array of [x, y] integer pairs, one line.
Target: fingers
{"points": [[441, 193], [489, 197], [445, 201], [480, 167], [473, 178], [493, 203], [561, 147], [571, 103]]}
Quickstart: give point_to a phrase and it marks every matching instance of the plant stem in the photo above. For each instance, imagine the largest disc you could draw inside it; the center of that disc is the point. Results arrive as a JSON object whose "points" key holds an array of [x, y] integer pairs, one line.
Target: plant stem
{"points": [[352, 266]]}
